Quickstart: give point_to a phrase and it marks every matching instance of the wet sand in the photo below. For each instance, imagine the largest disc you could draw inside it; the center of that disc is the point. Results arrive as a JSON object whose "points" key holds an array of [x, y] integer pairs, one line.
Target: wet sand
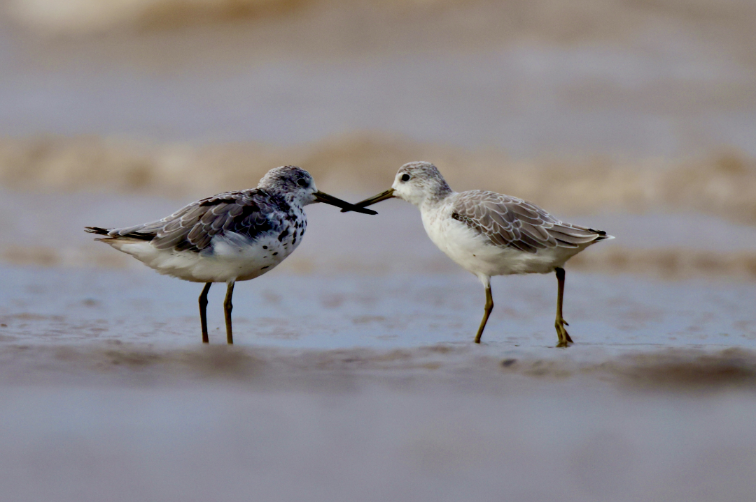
{"points": [[347, 434], [354, 375], [368, 387]]}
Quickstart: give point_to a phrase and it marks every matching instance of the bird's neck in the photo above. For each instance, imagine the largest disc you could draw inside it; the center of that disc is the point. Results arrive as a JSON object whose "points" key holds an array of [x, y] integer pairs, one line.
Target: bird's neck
{"points": [[286, 199], [435, 200]]}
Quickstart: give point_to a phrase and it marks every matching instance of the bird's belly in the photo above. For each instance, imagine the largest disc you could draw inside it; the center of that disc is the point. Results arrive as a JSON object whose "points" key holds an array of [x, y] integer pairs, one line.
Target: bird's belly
{"points": [[230, 259], [479, 256]]}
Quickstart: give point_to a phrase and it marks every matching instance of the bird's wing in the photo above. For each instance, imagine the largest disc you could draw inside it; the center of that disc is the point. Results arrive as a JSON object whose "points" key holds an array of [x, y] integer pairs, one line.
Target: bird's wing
{"points": [[511, 222], [193, 227]]}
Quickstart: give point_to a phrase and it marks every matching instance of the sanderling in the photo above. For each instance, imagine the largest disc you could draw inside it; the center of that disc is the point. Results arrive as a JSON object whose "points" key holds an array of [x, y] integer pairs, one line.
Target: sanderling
{"points": [[491, 234], [229, 237]]}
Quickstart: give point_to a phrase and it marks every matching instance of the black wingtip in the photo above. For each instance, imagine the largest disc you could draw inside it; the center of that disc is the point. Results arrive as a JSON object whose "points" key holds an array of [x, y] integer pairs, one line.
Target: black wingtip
{"points": [[96, 230], [601, 235]]}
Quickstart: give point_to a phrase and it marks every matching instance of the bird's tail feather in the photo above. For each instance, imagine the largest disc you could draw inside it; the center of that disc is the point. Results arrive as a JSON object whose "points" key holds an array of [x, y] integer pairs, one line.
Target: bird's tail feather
{"points": [[119, 234], [96, 230]]}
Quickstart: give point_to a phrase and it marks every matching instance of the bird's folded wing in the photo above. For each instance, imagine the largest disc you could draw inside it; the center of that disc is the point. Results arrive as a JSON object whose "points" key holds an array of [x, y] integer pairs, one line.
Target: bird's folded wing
{"points": [[507, 221], [193, 227]]}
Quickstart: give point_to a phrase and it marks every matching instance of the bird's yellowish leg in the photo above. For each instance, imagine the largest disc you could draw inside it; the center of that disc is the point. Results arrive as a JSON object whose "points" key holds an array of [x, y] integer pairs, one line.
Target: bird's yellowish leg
{"points": [[559, 323], [203, 311], [487, 311], [227, 307]]}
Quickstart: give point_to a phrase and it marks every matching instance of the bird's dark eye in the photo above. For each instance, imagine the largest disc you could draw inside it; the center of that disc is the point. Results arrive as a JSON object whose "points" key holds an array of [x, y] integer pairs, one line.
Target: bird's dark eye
{"points": [[405, 177], [302, 182]]}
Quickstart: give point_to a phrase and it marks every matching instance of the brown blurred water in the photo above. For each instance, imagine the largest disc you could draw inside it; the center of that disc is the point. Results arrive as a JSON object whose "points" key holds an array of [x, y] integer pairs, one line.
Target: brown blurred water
{"points": [[622, 106], [632, 79]]}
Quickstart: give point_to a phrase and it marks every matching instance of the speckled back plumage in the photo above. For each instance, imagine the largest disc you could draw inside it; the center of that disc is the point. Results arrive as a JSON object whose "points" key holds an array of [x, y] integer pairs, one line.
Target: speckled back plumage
{"points": [[270, 208], [249, 213]]}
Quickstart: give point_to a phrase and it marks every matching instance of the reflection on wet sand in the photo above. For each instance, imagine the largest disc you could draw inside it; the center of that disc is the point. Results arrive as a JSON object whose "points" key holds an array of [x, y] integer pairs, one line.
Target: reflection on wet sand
{"points": [[368, 379], [648, 369], [407, 310]]}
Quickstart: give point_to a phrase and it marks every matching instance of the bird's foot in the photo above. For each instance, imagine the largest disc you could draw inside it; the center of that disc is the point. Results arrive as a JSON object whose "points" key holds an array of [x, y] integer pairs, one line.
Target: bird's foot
{"points": [[564, 337]]}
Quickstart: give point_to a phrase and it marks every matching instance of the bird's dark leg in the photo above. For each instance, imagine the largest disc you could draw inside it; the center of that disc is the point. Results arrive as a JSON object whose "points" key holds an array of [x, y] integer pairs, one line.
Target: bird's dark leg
{"points": [[203, 311], [227, 307], [559, 323], [487, 310]]}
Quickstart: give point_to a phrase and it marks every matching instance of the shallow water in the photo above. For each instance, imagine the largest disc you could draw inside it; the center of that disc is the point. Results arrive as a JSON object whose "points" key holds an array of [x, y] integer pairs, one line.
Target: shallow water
{"points": [[392, 311], [368, 387]]}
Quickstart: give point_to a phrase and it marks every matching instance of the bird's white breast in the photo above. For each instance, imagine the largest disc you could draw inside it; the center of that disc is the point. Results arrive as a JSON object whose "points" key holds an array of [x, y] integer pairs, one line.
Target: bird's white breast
{"points": [[232, 257], [475, 252]]}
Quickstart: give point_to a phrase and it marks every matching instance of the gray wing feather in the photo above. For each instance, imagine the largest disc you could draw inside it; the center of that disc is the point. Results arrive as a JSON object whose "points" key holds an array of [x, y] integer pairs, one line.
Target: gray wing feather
{"points": [[511, 222]]}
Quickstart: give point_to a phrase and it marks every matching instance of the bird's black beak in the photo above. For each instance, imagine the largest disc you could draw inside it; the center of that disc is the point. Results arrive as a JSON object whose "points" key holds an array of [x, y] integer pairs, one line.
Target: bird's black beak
{"points": [[375, 199], [345, 206]]}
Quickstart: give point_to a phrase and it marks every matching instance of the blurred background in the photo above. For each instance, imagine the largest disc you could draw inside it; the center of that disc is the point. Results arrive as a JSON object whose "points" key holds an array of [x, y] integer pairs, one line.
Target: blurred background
{"points": [[353, 376], [584, 107]]}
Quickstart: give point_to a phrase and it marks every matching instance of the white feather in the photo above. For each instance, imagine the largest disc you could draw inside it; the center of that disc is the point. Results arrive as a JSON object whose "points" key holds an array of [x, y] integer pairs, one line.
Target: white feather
{"points": [[232, 257]]}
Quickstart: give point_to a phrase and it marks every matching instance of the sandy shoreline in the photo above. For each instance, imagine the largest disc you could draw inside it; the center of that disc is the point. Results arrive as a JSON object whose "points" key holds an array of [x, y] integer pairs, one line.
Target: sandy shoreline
{"points": [[234, 426], [344, 387]]}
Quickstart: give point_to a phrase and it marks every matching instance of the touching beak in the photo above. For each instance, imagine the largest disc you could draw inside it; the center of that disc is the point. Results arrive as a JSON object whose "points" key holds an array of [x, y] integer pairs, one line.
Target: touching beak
{"points": [[375, 199], [327, 198]]}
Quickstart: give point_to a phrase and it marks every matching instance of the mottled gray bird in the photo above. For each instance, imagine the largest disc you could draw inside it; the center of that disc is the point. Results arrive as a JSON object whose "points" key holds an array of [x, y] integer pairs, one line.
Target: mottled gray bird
{"points": [[491, 234], [229, 237]]}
